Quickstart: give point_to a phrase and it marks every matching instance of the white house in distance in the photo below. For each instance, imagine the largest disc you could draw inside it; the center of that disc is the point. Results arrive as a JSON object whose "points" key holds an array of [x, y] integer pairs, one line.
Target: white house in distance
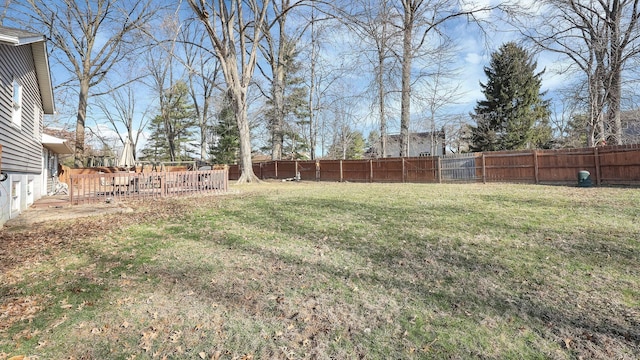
{"points": [[27, 157], [420, 144]]}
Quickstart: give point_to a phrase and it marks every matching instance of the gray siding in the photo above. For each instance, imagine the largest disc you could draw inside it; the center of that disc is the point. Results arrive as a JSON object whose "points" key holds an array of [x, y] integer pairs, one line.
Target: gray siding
{"points": [[21, 147]]}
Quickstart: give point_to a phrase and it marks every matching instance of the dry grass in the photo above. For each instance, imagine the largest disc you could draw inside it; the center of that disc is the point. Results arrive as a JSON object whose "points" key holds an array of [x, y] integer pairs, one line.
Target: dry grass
{"points": [[307, 270]]}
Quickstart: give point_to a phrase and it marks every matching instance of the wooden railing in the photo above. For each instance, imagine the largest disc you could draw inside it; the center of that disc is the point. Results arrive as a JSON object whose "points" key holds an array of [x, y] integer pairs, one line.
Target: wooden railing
{"points": [[101, 187]]}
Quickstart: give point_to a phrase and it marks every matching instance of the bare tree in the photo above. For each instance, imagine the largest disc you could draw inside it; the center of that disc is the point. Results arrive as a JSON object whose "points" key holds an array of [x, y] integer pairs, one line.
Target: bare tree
{"points": [[119, 110], [440, 91], [166, 81], [89, 38], [203, 72], [4, 11], [279, 52], [235, 40], [600, 38], [424, 21], [373, 21]]}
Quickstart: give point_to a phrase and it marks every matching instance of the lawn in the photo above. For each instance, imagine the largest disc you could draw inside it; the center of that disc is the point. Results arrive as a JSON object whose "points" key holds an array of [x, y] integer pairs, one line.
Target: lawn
{"points": [[333, 271]]}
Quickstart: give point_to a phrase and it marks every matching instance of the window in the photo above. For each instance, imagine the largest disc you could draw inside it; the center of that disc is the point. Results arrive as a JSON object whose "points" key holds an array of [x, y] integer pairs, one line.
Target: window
{"points": [[15, 196], [16, 116]]}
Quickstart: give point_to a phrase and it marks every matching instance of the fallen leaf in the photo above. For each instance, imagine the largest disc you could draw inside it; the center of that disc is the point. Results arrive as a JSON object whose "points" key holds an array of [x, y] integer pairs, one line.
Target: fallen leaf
{"points": [[202, 355], [125, 324]]}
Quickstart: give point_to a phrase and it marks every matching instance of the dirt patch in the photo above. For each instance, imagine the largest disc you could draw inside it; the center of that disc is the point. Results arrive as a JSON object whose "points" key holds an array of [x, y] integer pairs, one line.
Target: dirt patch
{"points": [[56, 209]]}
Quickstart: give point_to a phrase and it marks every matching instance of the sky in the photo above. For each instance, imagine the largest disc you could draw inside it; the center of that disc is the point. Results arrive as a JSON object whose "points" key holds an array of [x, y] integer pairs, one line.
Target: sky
{"points": [[472, 55]]}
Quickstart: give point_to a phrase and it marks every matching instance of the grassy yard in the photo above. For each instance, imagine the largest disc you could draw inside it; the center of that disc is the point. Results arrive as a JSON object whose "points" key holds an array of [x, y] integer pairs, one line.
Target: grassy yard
{"points": [[329, 270]]}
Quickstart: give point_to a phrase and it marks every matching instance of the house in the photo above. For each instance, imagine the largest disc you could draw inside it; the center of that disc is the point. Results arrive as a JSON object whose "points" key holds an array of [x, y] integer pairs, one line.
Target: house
{"points": [[420, 144], [26, 95]]}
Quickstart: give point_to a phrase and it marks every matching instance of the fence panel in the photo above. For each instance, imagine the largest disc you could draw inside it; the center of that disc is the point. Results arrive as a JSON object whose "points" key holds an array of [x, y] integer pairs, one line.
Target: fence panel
{"points": [[458, 167], [562, 167], [509, 166], [331, 170], [421, 169], [356, 170], [387, 170], [99, 187], [307, 170], [620, 166]]}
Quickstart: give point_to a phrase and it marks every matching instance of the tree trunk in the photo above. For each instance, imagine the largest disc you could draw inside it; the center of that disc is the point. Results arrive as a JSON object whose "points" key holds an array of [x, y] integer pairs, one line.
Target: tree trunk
{"points": [[312, 79], [277, 123], [83, 98], [614, 120], [407, 56], [238, 99], [312, 120], [381, 103]]}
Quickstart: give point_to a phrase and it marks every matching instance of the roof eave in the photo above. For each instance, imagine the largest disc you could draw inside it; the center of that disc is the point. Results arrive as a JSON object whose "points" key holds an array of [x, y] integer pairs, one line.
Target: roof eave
{"points": [[43, 74], [57, 145]]}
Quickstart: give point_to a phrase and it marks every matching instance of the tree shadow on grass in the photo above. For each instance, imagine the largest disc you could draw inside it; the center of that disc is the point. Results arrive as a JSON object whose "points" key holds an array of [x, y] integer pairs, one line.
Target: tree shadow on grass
{"points": [[448, 283]]}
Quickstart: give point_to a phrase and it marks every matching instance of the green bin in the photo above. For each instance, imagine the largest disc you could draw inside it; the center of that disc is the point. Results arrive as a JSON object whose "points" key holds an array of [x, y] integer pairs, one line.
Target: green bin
{"points": [[584, 178]]}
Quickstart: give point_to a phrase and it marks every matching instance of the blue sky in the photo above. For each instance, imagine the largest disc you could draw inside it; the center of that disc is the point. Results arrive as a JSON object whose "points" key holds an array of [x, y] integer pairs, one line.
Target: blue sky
{"points": [[473, 52]]}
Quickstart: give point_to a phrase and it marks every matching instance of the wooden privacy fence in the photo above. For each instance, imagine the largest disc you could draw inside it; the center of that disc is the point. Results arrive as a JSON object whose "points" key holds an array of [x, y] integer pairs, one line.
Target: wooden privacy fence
{"points": [[99, 187], [609, 165]]}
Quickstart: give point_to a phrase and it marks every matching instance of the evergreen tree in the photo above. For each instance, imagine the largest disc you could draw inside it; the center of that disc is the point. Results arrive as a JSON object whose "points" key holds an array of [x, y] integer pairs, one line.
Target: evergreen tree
{"points": [[356, 147], [157, 145], [172, 129], [514, 114], [287, 114], [347, 144], [225, 149]]}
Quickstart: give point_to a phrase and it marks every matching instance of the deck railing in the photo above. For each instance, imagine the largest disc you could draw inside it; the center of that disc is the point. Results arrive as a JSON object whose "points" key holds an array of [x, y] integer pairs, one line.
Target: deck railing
{"points": [[101, 187]]}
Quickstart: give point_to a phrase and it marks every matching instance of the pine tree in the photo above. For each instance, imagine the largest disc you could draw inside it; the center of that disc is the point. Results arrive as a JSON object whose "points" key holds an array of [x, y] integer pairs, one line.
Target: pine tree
{"points": [[514, 114], [289, 116], [225, 149], [157, 145], [172, 129]]}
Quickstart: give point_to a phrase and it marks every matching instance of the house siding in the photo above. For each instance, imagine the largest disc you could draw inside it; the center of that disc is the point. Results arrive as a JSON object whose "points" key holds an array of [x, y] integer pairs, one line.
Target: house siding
{"points": [[22, 148]]}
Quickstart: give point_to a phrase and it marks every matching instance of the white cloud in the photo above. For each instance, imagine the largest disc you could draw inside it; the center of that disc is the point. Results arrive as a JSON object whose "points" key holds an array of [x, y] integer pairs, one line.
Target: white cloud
{"points": [[475, 58]]}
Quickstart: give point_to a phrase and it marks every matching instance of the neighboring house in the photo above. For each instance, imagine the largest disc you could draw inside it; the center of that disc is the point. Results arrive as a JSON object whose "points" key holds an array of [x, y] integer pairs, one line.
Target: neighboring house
{"points": [[630, 127], [420, 144], [26, 95]]}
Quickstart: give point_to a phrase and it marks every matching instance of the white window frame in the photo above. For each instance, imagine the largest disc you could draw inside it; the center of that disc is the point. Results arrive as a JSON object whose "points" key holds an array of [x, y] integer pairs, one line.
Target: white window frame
{"points": [[16, 103], [16, 191]]}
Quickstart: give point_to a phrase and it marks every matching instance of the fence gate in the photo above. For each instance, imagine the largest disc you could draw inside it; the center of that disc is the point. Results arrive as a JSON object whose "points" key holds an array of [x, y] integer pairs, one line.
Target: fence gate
{"points": [[458, 167]]}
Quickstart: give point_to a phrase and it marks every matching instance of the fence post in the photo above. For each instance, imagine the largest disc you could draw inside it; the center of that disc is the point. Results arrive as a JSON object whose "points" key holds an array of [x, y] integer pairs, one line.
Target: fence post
{"points": [[596, 156], [70, 187], [484, 170], [341, 175], [317, 170], [535, 166], [403, 171], [295, 176], [370, 170], [276, 168], [439, 169]]}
